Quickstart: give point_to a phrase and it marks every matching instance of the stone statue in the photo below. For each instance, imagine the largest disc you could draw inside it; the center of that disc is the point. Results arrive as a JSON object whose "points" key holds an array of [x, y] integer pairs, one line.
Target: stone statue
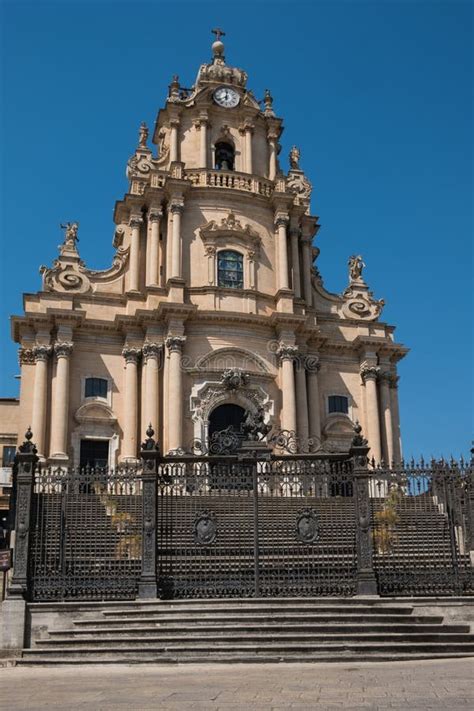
{"points": [[254, 428], [356, 266], [70, 237], [295, 156], [143, 135]]}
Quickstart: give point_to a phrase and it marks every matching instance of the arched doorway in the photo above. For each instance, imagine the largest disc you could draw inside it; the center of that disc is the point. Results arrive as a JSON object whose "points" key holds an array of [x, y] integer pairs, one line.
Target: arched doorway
{"points": [[224, 416]]}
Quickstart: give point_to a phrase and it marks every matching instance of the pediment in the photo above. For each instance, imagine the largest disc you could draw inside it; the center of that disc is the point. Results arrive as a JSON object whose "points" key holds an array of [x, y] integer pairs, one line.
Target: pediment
{"points": [[338, 426], [96, 412]]}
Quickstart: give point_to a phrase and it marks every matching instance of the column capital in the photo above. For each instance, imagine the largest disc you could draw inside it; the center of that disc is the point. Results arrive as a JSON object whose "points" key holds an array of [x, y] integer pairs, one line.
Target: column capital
{"points": [[135, 221], [369, 372], [393, 381], [312, 363], [42, 352], [155, 214], [286, 352], [131, 354], [63, 349], [176, 206], [281, 220], [151, 350], [306, 241], [175, 344], [385, 376], [25, 356], [174, 122]]}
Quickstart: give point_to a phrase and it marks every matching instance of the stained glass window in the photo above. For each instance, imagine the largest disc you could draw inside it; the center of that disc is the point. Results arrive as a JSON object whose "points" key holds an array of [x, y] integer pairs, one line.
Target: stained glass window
{"points": [[230, 269]]}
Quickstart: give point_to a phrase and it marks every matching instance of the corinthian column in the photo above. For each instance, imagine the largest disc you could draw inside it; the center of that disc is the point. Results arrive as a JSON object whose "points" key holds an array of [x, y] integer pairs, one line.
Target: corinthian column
{"points": [[397, 446], [272, 158], [287, 355], [312, 367], [151, 358], [41, 356], [175, 345], [307, 270], [281, 223], [135, 223], [386, 413], [369, 376], [152, 248], [177, 210], [130, 408], [61, 401]]}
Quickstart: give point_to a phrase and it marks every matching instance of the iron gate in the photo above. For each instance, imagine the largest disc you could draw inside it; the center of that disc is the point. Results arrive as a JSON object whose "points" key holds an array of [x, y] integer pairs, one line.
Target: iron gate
{"points": [[86, 534], [251, 527], [422, 529]]}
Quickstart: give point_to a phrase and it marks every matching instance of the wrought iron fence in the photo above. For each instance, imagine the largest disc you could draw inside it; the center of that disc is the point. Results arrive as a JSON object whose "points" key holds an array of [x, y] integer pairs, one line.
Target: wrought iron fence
{"points": [[245, 522]]}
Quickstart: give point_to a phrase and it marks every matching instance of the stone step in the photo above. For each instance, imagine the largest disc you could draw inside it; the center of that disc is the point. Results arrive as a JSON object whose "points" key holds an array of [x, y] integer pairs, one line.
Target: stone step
{"points": [[195, 607], [269, 628], [222, 658], [223, 619], [263, 637], [275, 647]]}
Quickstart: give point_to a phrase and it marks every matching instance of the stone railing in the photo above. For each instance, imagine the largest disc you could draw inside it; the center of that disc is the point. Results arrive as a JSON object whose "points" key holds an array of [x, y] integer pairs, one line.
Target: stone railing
{"points": [[231, 180]]}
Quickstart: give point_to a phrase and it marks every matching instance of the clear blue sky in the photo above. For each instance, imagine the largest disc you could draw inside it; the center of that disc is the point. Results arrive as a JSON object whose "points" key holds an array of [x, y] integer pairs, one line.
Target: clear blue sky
{"points": [[378, 95]]}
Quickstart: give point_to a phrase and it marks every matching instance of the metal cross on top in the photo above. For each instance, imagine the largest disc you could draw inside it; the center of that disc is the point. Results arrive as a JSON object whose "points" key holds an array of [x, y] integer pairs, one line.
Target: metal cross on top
{"points": [[218, 33]]}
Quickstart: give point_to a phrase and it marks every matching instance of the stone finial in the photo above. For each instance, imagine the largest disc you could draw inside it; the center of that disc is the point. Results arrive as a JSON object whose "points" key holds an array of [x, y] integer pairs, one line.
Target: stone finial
{"points": [[268, 101], [143, 135], [295, 155], [358, 440], [218, 45], [356, 265]]}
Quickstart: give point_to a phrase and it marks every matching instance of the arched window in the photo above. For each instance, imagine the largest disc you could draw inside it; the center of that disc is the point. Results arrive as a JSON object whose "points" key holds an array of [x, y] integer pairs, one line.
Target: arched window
{"points": [[230, 269], [225, 156]]}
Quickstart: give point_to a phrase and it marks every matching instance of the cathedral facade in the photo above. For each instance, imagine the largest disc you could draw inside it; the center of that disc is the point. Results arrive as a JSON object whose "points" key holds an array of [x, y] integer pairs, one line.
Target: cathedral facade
{"points": [[213, 306]]}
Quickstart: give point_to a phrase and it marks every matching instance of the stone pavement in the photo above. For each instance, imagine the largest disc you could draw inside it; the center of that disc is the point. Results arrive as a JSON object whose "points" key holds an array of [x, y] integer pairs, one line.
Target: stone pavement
{"points": [[444, 685]]}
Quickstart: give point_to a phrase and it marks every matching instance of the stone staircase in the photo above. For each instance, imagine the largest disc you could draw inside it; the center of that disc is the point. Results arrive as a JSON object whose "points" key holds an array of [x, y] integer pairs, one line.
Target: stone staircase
{"points": [[250, 630]]}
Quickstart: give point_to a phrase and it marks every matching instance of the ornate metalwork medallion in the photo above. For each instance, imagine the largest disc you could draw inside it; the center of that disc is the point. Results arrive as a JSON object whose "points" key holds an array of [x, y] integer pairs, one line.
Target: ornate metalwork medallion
{"points": [[205, 528], [307, 526]]}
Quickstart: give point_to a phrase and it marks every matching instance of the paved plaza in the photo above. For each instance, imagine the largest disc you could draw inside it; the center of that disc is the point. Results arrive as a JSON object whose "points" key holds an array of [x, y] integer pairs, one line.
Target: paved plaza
{"points": [[444, 685]]}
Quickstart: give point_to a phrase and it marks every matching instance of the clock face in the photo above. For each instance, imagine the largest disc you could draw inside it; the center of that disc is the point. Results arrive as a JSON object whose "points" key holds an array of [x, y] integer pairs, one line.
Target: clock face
{"points": [[226, 97]]}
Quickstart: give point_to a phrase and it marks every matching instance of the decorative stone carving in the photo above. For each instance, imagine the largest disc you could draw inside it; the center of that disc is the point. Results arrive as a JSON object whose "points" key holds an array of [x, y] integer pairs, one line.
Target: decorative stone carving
{"points": [[175, 343], [233, 379], [131, 354], [26, 356], [63, 349], [42, 352], [139, 165], [307, 526], [299, 184], [286, 352], [359, 303], [393, 381], [155, 215], [151, 350], [358, 440], [369, 372], [205, 528]]}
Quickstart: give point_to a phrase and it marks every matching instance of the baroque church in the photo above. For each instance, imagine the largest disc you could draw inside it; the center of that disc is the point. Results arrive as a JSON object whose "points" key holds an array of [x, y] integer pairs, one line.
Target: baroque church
{"points": [[213, 307]]}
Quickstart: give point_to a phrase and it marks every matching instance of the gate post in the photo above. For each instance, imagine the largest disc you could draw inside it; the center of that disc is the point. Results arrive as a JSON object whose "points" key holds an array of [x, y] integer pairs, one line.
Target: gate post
{"points": [[25, 464], [150, 454], [366, 581]]}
